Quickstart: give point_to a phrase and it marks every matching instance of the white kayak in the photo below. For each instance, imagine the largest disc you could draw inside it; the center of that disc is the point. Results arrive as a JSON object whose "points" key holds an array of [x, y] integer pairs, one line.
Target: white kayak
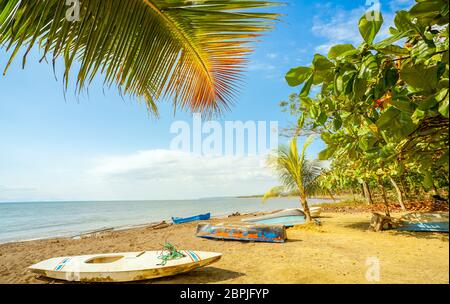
{"points": [[121, 267]]}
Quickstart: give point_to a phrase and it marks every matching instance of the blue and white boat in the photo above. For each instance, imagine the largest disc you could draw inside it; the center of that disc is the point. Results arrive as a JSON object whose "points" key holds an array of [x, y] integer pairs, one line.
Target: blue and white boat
{"points": [[424, 222], [287, 218], [200, 217]]}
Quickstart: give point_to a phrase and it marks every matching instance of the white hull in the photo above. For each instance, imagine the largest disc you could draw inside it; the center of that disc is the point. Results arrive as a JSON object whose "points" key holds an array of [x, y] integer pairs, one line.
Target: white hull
{"points": [[121, 267], [314, 211]]}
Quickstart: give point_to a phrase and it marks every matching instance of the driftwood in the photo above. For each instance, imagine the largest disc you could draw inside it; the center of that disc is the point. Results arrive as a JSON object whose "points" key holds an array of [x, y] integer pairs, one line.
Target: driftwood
{"points": [[160, 225], [380, 222], [92, 233]]}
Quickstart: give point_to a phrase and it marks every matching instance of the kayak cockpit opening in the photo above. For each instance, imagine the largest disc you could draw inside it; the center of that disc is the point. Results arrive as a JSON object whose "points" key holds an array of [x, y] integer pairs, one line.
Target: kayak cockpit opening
{"points": [[104, 259]]}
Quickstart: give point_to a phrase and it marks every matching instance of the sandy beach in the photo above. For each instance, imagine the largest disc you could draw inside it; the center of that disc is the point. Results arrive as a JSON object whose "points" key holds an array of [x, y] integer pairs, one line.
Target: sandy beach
{"points": [[335, 252]]}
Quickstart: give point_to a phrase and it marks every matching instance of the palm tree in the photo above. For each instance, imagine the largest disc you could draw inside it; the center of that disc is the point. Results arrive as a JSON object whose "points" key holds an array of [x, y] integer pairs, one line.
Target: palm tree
{"points": [[297, 174], [191, 52]]}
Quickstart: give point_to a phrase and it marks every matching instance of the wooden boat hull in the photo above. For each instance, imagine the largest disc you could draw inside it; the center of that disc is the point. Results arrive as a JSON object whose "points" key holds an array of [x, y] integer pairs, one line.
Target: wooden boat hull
{"points": [[121, 267], [242, 232], [200, 217]]}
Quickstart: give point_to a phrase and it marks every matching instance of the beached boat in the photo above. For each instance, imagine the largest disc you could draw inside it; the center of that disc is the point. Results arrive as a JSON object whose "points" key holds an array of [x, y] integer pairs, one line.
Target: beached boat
{"points": [[242, 232], [315, 211], [287, 217], [121, 267], [424, 222], [200, 217]]}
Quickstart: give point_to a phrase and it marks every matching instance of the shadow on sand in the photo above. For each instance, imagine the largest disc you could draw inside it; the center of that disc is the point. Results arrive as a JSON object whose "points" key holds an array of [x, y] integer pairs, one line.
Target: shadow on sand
{"points": [[364, 226], [197, 276]]}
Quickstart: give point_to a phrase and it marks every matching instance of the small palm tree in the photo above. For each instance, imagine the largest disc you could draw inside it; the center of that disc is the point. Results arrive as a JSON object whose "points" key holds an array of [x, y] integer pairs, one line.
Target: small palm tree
{"points": [[297, 174]]}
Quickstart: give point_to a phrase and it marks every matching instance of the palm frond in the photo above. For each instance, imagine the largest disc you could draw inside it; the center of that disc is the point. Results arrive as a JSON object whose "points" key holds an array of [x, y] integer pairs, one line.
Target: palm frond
{"points": [[295, 172], [192, 52]]}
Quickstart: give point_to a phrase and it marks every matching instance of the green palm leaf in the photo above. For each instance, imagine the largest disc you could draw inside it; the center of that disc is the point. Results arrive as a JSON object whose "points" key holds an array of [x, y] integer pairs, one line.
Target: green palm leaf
{"points": [[297, 174], [192, 52]]}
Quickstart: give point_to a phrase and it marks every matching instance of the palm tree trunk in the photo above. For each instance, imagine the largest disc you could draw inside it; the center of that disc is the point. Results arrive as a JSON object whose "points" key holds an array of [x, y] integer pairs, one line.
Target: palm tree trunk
{"points": [[331, 195], [305, 207], [399, 193]]}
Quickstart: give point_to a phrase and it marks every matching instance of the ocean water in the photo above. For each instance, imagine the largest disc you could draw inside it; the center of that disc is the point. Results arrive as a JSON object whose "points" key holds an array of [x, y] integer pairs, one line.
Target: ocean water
{"points": [[34, 220]]}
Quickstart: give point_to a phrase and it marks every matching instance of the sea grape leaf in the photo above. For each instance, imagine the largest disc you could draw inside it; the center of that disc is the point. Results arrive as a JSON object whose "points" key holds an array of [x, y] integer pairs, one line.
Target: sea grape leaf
{"points": [[420, 76], [428, 103], [307, 86], [394, 50], [298, 75], [326, 153], [369, 25], [403, 104], [339, 49], [369, 67], [418, 115], [387, 117], [443, 108], [403, 22]]}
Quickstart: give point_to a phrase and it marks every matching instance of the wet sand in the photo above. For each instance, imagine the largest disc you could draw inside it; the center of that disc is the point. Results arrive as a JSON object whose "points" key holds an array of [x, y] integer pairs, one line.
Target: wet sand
{"points": [[335, 252]]}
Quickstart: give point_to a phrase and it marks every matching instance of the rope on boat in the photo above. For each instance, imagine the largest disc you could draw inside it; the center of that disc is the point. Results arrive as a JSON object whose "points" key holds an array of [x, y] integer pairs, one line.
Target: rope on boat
{"points": [[172, 253]]}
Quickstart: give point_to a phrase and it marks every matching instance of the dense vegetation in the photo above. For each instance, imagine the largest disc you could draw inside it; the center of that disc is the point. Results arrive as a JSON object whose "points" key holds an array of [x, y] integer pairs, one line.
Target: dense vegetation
{"points": [[382, 107]]}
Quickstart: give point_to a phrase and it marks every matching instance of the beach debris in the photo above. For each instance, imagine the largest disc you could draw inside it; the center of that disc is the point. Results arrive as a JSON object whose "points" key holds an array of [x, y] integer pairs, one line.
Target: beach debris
{"points": [[169, 252], [92, 233], [380, 222], [160, 225], [243, 232], [234, 214]]}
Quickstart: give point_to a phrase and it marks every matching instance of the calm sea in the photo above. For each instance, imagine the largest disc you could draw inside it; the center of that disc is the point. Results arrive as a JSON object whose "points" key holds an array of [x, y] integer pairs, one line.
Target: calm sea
{"points": [[26, 221]]}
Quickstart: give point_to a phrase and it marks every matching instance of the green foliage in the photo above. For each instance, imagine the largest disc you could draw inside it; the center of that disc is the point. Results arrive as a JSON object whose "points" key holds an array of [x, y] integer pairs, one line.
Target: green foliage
{"points": [[383, 106], [296, 173]]}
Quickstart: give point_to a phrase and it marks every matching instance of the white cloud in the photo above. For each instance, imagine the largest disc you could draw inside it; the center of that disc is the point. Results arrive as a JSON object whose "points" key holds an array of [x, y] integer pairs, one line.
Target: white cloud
{"points": [[150, 175], [260, 66], [167, 165], [166, 174]]}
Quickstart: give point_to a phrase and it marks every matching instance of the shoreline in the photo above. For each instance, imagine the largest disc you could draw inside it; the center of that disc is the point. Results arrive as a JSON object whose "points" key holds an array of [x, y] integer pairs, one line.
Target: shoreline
{"points": [[74, 231], [118, 229], [335, 252]]}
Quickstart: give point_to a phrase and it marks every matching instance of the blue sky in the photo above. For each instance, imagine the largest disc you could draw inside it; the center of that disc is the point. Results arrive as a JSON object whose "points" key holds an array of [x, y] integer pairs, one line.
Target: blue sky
{"points": [[102, 146]]}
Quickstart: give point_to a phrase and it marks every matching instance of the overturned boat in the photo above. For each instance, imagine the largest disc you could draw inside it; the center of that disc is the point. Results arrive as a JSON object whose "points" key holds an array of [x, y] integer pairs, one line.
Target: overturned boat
{"points": [[287, 218], [243, 232], [424, 222]]}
